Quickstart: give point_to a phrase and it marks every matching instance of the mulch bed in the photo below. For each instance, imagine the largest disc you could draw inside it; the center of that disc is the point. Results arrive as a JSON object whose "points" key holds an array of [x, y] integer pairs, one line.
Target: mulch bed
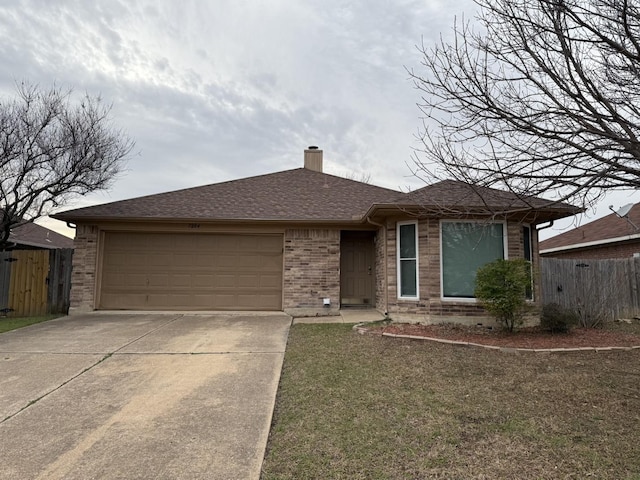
{"points": [[530, 337]]}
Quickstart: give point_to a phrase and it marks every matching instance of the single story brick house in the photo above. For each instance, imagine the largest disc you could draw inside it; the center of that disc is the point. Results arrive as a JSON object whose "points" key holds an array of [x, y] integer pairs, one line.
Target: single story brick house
{"points": [[301, 241], [611, 236]]}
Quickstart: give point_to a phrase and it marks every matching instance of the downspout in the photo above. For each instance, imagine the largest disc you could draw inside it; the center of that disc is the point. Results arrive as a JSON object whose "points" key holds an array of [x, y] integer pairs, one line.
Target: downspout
{"points": [[386, 281]]}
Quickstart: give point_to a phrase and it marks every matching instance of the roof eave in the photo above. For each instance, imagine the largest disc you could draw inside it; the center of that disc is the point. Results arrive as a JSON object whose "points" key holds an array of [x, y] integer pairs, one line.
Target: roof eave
{"points": [[102, 219], [545, 214]]}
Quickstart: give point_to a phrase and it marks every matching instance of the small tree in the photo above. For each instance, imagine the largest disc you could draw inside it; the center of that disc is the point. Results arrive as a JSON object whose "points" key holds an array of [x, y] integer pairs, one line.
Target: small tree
{"points": [[501, 288], [52, 149]]}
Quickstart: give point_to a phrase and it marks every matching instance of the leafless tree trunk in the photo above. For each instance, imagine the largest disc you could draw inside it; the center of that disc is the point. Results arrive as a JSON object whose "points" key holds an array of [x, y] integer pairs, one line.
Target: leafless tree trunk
{"points": [[541, 97], [52, 149]]}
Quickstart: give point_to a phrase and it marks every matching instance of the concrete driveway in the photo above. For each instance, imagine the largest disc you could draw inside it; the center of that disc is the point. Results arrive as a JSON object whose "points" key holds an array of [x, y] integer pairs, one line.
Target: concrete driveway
{"points": [[133, 396]]}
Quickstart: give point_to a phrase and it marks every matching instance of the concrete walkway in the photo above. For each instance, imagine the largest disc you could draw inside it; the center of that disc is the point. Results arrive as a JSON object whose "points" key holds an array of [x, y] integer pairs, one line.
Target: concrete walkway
{"points": [[139, 396], [347, 315]]}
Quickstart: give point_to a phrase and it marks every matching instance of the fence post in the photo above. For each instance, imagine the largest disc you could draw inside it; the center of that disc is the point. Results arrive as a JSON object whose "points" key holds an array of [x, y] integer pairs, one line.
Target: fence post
{"points": [[59, 280], [5, 281]]}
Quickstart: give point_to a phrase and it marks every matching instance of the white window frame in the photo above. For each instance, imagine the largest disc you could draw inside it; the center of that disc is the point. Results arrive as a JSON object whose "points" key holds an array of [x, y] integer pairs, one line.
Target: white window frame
{"points": [[505, 255], [417, 259]]}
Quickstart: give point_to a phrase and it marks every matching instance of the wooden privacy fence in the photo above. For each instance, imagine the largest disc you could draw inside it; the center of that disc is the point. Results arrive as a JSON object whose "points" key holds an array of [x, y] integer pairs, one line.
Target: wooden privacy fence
{"points": [[35, 282], [606, 287]]}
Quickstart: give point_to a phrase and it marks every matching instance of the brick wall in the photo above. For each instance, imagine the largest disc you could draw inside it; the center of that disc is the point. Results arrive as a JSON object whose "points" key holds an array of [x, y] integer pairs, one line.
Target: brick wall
{"points": [[425, 269], [83, 276], [430, 306], [311, 270], [381, 291]]}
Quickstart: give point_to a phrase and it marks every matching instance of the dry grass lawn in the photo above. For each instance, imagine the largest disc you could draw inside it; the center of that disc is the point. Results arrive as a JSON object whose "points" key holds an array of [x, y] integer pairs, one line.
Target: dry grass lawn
{"points": [[366, 407]]}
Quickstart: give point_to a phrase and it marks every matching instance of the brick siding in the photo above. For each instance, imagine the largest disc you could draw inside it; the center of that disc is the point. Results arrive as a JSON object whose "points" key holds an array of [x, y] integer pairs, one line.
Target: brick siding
{"points": [[381, 291], [311, 270], [430, 306], [83, 276]]}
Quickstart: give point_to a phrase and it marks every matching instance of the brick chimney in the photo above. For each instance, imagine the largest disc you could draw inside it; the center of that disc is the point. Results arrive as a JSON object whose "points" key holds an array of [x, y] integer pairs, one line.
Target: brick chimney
{"points": [[313, 159]]}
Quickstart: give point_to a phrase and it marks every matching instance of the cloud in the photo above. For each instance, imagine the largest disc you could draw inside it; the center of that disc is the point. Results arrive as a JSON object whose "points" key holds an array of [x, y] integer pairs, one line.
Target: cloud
{"points": [[216, 90]]}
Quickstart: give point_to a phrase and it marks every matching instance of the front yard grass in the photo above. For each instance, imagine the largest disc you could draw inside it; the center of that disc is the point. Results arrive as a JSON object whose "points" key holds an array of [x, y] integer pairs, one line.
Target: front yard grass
{"points": [[11, 323], [355, 406]]}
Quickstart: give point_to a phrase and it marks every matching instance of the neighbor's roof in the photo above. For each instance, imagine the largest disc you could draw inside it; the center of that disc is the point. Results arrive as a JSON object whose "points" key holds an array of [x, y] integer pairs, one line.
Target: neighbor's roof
{"points": [[293, 195], [604, 230], [34, 235], [308, 196]]}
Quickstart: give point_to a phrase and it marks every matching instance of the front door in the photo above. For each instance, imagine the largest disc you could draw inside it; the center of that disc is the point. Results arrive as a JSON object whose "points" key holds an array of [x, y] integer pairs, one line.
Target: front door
{"points": [[357, 269]]}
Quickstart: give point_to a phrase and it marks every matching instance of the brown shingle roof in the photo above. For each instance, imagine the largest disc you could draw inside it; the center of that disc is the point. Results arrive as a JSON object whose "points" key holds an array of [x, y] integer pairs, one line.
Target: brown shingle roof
{"points": [[455, 193], [604, 228], [33, 235], [455, 197], [293, 195], [306, 195]]}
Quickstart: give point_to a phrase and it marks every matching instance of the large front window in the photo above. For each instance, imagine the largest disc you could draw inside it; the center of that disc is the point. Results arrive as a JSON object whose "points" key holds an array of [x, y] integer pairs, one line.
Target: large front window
{"points": [[467, 246], [408, 260]]}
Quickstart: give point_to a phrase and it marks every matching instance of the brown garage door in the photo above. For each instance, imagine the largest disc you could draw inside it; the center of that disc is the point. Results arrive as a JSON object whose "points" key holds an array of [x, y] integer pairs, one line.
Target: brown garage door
{"points": [[191, 272]]}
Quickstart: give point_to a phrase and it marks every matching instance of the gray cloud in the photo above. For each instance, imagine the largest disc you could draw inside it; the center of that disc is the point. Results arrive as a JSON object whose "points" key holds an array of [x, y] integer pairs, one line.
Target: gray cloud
{"points": [[217, 90]]}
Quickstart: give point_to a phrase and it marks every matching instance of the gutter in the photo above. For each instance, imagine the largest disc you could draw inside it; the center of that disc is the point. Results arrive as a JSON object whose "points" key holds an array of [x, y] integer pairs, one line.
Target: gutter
{"points": [[93, 219]]}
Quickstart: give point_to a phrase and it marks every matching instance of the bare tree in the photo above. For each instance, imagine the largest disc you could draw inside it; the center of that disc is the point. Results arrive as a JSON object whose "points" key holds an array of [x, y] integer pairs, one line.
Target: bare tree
{"points": [[361, 177], [539, 97], [51, 150]]}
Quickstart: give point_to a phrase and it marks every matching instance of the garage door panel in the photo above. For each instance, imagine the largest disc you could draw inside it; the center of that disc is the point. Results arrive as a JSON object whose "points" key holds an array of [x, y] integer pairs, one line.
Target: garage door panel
{"points": [[248, 281], [272, 262], [256, 301], [181, 281], [118, 301], [158, 280], [228, 262], [201, 281], [191, 272], [270, 281], [133, 280], [226, 281]]}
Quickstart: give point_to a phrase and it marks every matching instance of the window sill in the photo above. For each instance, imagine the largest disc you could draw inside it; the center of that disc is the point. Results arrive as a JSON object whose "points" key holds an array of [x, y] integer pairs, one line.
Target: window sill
{"points": [[458, 300]]}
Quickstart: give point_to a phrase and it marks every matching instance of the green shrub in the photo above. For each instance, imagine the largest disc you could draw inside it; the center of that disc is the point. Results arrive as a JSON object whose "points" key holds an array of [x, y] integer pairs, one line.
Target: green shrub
{"points": [[556, 318], [501, 288]]}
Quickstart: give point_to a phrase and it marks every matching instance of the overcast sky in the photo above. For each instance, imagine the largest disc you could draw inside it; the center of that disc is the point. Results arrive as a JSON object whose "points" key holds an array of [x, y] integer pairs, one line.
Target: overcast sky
{"points": [[215, 90]]}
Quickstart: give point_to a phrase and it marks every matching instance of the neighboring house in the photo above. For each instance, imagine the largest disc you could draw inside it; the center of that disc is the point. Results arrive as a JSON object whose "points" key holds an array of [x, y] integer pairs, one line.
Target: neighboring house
{"points": [[301, 241], [608, 237], [31, 236]]}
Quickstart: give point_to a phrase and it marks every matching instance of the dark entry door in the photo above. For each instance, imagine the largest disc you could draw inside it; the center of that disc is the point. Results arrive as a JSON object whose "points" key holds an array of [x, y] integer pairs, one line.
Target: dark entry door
{"points": [[357, 269]]}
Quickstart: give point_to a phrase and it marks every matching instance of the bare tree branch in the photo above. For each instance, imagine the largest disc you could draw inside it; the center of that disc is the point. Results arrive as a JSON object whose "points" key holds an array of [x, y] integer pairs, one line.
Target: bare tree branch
{"points": [[51, 150], [541, 98]]}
